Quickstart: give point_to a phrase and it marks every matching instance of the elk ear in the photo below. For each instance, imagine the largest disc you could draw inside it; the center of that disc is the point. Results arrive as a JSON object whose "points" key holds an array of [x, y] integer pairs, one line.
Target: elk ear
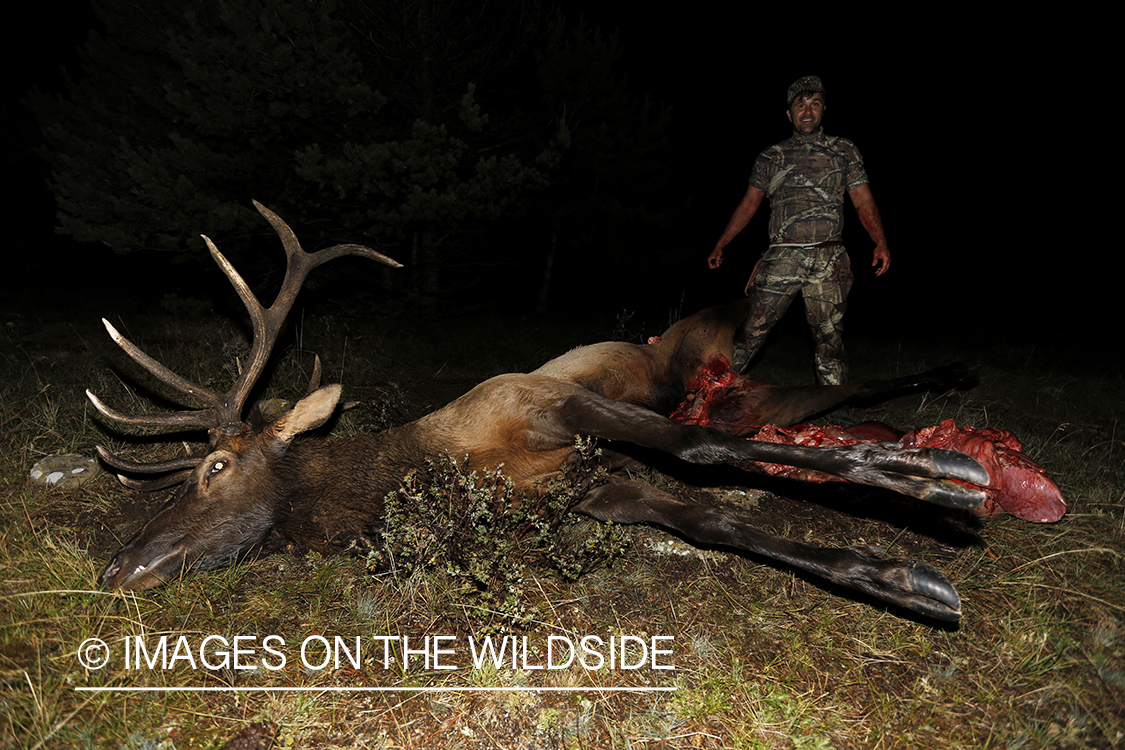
{"points": [[311, 411]]}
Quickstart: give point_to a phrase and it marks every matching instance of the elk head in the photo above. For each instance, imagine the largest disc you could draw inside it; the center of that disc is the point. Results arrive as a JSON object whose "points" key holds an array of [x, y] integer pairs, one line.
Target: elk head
{"points": [[225, 503]]}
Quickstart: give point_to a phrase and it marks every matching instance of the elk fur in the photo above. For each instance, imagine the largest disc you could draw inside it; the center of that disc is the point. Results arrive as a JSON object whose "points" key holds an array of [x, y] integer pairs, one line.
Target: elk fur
{"points": [[327, 495]]}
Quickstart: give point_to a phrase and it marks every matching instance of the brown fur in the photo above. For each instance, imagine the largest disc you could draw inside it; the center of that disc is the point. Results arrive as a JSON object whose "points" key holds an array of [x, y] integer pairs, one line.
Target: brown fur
{"points": [[328, 495]]}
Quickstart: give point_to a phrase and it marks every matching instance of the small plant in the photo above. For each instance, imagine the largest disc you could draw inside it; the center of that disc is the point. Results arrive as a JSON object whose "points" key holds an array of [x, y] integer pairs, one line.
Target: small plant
{"points": [[474, 527], [621, 326]]}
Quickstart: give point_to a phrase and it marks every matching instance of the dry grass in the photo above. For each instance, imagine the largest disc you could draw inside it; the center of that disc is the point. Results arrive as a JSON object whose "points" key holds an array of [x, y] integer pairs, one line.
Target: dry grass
{"points": [[764, 658]]}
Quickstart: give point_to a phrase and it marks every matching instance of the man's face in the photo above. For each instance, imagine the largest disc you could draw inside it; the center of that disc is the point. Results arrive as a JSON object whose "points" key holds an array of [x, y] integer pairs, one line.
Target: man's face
{"points": [[806, 113]]}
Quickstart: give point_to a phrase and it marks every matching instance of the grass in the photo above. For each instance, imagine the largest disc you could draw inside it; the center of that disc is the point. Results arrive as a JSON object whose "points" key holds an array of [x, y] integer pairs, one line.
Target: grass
{"points": [[764, 658]]}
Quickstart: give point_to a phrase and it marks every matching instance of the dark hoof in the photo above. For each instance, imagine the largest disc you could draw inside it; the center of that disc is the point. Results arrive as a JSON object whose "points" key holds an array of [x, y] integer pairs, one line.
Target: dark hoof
{"points": [[953, 495], [957, 465], [933, 595]]}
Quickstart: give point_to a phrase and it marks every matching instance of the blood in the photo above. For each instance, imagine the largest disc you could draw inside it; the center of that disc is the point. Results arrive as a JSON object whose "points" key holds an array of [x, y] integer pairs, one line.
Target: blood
{"points": [[709, 381], [1017, 484]]}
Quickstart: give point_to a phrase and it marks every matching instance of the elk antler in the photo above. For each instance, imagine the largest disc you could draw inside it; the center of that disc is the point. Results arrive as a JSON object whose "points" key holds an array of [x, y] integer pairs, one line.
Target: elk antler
{"points": [[223, 415]]}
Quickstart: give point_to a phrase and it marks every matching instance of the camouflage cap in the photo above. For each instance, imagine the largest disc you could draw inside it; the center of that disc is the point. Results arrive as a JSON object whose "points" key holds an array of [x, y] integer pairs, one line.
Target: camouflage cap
{"points": [[805, 83]]}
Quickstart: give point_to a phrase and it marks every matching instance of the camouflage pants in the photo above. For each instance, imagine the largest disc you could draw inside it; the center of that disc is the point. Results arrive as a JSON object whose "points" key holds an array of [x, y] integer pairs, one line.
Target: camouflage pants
{"points": [[823, 275]]}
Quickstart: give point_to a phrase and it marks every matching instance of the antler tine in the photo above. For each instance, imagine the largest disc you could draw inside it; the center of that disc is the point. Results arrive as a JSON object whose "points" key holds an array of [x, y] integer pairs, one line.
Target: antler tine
{"points": [[330, 253], [158, 467], [293, 247], [181, 468], [196, 418], [152, 485], [203, 417], [264, 337], [288, 238], [224, 415], [267, 322], [314, 381]]}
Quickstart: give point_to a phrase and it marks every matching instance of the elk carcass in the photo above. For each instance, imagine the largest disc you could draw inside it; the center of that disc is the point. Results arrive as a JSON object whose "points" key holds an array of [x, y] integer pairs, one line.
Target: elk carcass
{"points": [[716, 396], [686, 373], [327, 495]]}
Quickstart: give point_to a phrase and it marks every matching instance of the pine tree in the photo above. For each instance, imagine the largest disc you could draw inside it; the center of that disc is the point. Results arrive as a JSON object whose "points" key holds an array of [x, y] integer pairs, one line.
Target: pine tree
{"points": [[610, 196], [186, 112], [437, 130]]}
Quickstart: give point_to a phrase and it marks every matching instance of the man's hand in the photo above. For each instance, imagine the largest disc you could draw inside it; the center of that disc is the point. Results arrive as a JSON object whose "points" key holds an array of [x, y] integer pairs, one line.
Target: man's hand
{"points": [[881, 260], [873, 223], [743, 212]]}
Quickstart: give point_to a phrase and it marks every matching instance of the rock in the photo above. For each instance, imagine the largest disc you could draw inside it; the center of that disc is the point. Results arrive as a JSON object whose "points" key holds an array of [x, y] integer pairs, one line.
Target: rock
{"points": [[272, 408], [67, 471]]}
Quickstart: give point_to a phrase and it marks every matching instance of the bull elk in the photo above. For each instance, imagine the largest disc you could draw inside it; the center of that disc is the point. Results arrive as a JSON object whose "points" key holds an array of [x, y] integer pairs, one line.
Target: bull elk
{"points": [[327, 494]]}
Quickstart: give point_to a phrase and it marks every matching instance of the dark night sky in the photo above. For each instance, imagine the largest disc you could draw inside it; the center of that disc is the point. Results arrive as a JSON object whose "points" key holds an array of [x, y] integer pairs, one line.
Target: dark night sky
{"points": [[960, 125]]}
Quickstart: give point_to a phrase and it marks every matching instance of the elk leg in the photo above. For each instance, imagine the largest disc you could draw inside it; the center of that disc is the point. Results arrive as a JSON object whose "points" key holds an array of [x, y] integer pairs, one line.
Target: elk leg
{"points": [[946, 377], [743, 405], [910, 584], [923, 473]]}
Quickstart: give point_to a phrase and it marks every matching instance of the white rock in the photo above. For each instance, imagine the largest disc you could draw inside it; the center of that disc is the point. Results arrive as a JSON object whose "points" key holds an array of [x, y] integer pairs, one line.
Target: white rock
{"points": [[70, 470]]}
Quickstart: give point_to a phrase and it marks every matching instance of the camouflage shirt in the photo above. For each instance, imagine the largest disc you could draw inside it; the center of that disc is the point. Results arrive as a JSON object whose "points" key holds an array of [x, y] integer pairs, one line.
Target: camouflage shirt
{"points": [[805, 178]]}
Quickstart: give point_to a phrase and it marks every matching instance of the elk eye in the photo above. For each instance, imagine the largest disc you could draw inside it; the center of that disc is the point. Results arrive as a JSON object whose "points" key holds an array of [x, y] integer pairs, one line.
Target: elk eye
{"points": [[218, 466]]}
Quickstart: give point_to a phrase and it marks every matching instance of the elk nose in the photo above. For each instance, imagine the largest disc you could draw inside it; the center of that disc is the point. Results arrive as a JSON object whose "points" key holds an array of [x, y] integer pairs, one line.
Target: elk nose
{"points": [[111, 570]]}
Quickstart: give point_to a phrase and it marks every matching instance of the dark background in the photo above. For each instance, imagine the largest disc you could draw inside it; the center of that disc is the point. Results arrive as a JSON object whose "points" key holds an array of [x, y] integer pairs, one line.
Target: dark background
{"points": [[979, 139]]}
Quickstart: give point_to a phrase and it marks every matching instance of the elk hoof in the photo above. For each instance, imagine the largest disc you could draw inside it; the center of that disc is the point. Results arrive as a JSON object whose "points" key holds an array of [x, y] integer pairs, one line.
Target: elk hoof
{"points": [[932, 594], [953, 495], [957, 465]]}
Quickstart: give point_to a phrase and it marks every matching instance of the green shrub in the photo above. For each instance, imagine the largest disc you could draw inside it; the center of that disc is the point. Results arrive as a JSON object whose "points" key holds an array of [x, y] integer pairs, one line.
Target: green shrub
{"points": [[476, 529]]}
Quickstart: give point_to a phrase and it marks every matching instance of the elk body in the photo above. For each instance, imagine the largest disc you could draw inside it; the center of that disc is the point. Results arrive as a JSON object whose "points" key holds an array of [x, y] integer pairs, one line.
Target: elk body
{"points": [[327, 495]]}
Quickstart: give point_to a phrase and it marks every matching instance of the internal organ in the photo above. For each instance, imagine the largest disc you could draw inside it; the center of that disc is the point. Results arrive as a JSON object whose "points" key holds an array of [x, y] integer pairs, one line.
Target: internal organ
{"points": [[719, 398]]}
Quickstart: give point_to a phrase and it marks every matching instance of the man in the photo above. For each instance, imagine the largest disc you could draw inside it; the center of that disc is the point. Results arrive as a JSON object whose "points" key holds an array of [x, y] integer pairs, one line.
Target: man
{"points": [[805, 179]]}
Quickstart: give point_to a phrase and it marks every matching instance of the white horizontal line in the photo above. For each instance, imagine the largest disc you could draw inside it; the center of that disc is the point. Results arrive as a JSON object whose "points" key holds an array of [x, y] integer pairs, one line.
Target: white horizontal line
{"points": [[617, 689]]}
